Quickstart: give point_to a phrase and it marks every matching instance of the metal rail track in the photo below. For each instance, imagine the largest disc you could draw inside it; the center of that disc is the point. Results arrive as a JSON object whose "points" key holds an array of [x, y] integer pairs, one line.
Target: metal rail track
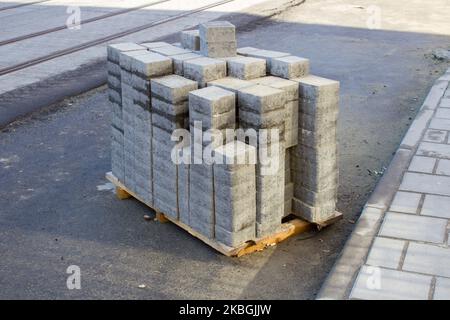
{"points": [[22, 5], [96, 42], [93, 19]]}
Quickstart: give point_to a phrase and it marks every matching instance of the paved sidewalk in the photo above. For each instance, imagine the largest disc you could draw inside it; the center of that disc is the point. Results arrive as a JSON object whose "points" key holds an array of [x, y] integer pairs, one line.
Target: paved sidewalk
{"points": [[400, 246]]}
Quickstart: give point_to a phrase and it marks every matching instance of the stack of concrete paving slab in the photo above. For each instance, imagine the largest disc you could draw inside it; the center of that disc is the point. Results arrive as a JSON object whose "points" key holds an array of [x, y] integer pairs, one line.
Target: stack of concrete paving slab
{"points": [[314, 160], [205, 88], [213, 109], [217, 39], [169, 113]]}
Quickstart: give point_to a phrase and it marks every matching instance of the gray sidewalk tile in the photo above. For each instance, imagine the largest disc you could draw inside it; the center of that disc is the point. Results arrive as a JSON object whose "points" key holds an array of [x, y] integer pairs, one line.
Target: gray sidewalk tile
{"points": [[412, 227], [443, 167], [433, 135], [445, 103], [426, 183], [442, 289], [440, 124], [386, 252], [375, 283], [405, 202], [422, 164], [434, 150], [428, 259], [442, 113], [436, 206]]}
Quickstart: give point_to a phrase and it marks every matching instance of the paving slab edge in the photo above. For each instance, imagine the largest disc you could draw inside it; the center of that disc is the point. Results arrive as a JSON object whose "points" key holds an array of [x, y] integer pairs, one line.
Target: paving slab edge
{"points": [[338, 284], [19, 103]]}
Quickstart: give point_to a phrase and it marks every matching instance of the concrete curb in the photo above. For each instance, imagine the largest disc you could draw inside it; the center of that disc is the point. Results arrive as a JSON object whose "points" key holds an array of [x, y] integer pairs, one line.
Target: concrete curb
{"points": [[23, 101], [338, 284]]}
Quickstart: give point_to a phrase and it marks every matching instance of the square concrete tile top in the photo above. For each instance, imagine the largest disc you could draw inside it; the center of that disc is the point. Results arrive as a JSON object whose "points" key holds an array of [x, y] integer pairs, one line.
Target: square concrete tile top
{"points": [[422, 164], [442, 289], [426, 183], [440, 124], [405, 202], [436, 206], [437, 150], [432, 135], [443, 167], [412, 227], [375, 283], [386, 252], [443, 113], [428, 259]]}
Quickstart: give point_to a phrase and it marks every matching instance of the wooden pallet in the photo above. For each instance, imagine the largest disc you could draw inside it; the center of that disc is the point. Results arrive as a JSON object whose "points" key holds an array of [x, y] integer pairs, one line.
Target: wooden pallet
{"points": [[288, 229]]}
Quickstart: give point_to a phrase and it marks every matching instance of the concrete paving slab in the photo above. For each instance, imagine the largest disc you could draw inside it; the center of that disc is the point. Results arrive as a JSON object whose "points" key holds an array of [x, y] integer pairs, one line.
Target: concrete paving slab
{"points": [[422, 164], [427, 259], [426, 183], [442, 289], [406, 202], [443, 167], [436, 206], [386, 252], [411, 227], [385, 284]]}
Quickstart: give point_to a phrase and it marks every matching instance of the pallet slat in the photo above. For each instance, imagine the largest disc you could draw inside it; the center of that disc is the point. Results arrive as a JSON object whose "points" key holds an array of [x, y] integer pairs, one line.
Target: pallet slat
{"points": [[287, 229]]}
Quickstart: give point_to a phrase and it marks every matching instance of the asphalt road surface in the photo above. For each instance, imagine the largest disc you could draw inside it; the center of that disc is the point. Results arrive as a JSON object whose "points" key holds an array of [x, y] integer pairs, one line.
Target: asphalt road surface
{"points": [[57, 209]]}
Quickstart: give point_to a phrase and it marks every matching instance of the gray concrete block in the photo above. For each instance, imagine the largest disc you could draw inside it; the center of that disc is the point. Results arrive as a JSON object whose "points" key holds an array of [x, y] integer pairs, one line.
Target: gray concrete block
{"points": [[260, 99], [246, 68], [113, 68], [314, 198], [291, 124], [169, 50], [140, 84], [320, 90], [169, 123], [318, 122], [270, 119], [244, 51], [114, 97], [230, 84], [172, 88], [164, 107], [114, 50], [153, 45], [213, 31], [268, 55], [289, 67], [235, 215], [219, 121], [315, 214], [190, 39], [220, 49], [206, 229], [315, 155], [315, 180], [212, 101], [232, 177], [183, 193], [179, 59], [235, 238], [113, 82], [235, 156], [316, 139], [289, 87], [126, 83], [204, 70], [267, 229], [126, 58], [151, 65]]}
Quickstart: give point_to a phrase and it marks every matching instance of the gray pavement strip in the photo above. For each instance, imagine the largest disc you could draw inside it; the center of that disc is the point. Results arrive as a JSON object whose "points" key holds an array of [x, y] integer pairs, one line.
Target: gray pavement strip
{"points": [[339, 282]]}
